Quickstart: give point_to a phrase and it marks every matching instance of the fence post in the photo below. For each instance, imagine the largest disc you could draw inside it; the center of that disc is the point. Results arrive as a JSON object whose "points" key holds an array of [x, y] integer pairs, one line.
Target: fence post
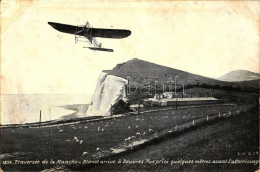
{"points": [[229, 113], [207, 118], [237, 111], [111, 110], [219, 114], [193, 122], [175, 127]]}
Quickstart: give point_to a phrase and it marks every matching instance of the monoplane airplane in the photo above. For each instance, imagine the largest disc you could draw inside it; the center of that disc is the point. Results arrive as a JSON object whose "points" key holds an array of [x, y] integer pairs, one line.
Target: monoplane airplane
{"points": [[90, 33]]}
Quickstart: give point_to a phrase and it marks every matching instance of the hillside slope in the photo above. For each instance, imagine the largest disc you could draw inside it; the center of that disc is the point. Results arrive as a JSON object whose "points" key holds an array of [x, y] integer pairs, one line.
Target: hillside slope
{"points": [[137, 79], [240, 75], [143, 71]]}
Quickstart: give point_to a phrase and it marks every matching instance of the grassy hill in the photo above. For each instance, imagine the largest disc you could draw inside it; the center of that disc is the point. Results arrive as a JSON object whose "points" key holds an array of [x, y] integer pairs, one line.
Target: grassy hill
{"points": [[240, 75], [142, 72]]}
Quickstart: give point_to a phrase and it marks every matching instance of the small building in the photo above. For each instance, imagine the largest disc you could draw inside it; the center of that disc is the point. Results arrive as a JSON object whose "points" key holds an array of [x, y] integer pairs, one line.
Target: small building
{"points": [[169, 100]]}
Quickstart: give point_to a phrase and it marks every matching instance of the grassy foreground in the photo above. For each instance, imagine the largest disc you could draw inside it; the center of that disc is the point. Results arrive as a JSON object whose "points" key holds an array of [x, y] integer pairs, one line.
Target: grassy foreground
{"points": [[227, 142], [85, 141]]}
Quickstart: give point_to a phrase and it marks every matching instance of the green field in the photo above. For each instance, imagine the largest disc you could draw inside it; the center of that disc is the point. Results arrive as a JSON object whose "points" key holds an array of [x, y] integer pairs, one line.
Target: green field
{"points": [[89, 140], [235, 138]]}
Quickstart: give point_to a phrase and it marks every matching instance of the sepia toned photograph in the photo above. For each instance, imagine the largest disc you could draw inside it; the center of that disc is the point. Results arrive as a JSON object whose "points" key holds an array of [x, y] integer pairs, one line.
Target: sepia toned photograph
{"points": [[129, 85]]}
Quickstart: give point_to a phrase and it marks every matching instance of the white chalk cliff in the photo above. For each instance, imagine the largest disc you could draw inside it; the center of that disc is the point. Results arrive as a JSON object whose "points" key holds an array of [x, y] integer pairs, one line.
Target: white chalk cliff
{"points": [[109, 90]]}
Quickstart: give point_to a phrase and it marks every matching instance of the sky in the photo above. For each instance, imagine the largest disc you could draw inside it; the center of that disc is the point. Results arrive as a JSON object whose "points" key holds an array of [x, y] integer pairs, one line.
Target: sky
{"points": [[209, 38]]}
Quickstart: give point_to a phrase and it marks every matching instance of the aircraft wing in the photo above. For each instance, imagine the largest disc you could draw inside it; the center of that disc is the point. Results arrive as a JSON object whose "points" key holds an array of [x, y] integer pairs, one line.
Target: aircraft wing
{"points": [[95, 32]]}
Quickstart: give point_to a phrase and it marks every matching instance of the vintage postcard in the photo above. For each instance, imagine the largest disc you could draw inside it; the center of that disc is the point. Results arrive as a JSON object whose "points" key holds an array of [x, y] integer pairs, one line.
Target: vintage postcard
{"points": [[130, 85]]}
